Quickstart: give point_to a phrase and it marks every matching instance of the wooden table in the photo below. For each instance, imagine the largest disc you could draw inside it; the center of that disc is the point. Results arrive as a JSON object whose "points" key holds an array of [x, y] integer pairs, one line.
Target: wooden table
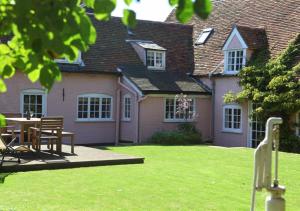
{"points": [[22, 122]]}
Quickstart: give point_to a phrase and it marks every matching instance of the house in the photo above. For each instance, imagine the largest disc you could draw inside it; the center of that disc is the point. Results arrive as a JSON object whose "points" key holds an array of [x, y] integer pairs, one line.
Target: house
{"points": [[224, 43], [123, 88]]}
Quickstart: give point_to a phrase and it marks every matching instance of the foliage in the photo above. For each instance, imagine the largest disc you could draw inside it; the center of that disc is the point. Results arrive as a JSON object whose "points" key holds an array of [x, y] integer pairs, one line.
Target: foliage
{"points": [[290, 144], [41, 31], [273, 84], [185, 135]]}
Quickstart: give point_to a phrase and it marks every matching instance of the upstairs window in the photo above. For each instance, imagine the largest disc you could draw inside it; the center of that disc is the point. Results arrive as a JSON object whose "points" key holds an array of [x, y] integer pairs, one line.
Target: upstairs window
{"points": [[156, 59], [203, 37], [234, 60], [65, 61], [94, 107]]}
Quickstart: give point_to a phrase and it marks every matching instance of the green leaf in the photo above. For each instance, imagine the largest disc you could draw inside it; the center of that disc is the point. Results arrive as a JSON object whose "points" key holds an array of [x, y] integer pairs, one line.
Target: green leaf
{"points": [[128, 2], [89, 3], [46, 78], [2, 120], [4, 49], [173, 2], [203, 8], [2, 86], [185, 10], [103, 8], [34, 75], [8, 71], [129, 18]]}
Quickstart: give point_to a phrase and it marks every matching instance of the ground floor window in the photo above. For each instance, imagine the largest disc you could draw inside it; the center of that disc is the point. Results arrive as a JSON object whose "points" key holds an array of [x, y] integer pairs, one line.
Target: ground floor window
{"points": [[176, 111], [232, 118], [127, 107], [33, 101], [94, 107]]}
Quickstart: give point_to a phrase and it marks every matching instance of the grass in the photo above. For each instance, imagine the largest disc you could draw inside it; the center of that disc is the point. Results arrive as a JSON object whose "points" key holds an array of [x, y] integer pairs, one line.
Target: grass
{"points": [[172, 178]]}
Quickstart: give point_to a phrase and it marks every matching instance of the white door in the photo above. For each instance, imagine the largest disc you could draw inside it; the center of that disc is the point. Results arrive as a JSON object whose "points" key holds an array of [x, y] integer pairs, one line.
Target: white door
{"points": [[256, 128]]}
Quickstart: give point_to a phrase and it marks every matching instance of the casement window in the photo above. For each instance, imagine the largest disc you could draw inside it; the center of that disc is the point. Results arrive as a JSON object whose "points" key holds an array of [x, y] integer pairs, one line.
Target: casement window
{"points": [[33, 101], [235, 60], [232, 118], [156, 59], [94, 107], [298, 124], [127, 108], [174, 113]]}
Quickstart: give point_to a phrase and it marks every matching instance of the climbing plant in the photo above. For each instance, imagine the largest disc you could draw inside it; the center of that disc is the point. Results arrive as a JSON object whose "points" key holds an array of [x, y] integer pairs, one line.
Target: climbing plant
{"points": [[274, 84]]}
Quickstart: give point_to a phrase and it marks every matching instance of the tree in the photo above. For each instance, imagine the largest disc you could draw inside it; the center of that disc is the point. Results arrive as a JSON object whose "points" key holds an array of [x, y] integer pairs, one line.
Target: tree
{"points": [[40, 31], [274, 84]]}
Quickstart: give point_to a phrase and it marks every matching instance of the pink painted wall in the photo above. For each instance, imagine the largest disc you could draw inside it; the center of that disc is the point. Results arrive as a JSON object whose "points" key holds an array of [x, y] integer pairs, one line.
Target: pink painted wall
{"points": [[235, 43], [74, 85], [128, 129], [223, 85], [152, 117]]}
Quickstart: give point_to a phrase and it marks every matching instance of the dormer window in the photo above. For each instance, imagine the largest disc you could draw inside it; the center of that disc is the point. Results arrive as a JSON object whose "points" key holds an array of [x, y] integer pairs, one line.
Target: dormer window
{"points": [[156, 59], [235, 60], [65, 61], [235, 49]]}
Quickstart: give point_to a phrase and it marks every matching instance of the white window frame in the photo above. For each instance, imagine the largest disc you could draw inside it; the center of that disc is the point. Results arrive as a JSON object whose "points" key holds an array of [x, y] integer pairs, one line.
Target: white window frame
{"points": [[298, 122], [89, 119], [154, 54], [65, 61], [232, 130], [226, 65], [175, 110], [125, 117], [34, 92]]}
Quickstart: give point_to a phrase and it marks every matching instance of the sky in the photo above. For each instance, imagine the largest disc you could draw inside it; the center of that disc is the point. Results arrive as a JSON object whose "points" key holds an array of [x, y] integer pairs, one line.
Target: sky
{"points": [[155, 10]]}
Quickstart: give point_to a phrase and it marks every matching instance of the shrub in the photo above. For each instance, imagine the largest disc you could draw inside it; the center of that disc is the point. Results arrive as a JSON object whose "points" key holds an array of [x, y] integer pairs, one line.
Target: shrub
{"points": [[185, 135], [290, 143]]}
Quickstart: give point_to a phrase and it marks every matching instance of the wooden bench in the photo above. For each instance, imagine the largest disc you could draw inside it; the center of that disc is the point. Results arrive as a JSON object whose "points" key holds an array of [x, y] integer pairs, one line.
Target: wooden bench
{"points": [[64, 134]]}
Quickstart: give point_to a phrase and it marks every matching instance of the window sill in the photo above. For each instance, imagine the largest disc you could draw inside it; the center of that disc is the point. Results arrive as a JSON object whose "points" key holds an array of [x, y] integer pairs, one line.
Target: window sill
{"points": [[156, 68], [93, 120], [126, 120], [230, 72], [178, 120], [232, 131]]}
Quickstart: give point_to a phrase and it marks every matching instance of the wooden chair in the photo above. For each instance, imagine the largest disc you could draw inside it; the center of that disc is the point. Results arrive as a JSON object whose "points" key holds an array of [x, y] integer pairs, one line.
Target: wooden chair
{"points": [[40, 135]]}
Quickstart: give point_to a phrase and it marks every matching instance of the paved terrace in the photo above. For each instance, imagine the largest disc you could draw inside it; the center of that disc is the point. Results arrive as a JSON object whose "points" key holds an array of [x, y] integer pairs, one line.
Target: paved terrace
{"points": [[83, 157]]}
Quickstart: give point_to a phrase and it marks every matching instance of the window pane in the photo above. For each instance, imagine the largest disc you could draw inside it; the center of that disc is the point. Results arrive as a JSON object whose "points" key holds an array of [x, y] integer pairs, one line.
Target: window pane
{"points": [[159, 59], [150, 58], [106, 107]]}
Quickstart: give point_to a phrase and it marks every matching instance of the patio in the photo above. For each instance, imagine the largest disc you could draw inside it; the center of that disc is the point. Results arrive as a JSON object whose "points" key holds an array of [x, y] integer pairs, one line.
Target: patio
{"points": [[83, 157]]}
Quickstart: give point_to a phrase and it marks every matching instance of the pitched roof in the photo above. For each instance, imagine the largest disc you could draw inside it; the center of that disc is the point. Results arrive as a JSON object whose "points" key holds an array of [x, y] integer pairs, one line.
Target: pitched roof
{"points": [[279, 18], [112, 49], [163, 82], [255, 38]]}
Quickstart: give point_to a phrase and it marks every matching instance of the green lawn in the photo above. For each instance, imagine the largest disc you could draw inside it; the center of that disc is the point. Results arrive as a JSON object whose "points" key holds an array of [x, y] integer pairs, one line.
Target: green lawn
{"points": [[172, 178]]}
